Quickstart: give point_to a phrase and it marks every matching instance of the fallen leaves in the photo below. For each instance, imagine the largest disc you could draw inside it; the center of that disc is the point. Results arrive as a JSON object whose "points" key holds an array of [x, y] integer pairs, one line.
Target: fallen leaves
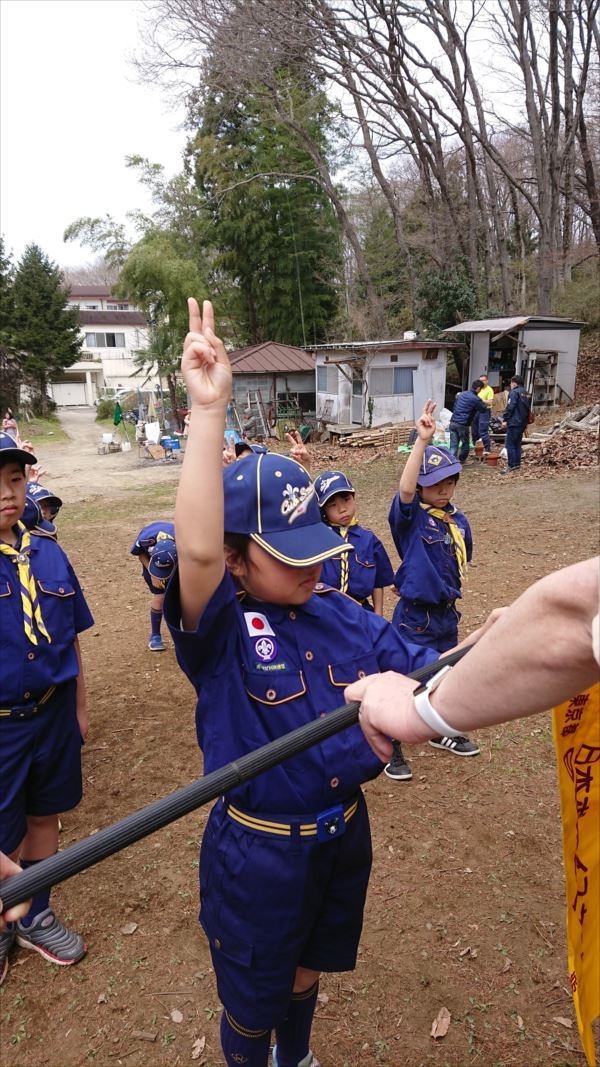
{"points": [[562, 1021], [129, 928], [441, 1024], [198, 1047], [176, 1015]]}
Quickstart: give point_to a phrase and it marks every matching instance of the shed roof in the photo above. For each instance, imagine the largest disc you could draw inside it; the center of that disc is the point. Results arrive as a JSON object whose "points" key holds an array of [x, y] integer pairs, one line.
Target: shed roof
{"points": [[90, 290], [499, 325], [417, 344], [111, 318], [270, 358]]}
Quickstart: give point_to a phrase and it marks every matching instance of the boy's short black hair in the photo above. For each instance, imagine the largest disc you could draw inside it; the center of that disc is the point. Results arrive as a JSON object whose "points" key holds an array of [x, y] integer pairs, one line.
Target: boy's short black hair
{"points": [[517, 378], [238, 543], [5, 459], [477, 386]]}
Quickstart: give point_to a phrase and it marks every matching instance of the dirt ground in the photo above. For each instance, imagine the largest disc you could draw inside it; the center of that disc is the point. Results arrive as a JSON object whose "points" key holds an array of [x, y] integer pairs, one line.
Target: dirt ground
{"points": [[466, 904]]}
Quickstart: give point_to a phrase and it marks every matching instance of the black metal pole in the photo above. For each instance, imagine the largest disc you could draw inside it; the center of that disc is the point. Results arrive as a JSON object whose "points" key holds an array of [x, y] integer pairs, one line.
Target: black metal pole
{"points": [[140, 823]]}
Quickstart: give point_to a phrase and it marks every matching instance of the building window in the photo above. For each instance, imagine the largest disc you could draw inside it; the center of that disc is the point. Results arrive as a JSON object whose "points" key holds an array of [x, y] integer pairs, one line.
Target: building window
{"points": [[105, 340], [327, 379], [391, 381], [117, 307]]}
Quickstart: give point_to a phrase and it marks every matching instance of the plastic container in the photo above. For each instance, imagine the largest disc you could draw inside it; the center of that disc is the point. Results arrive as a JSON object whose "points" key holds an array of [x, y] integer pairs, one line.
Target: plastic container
{"points": [[492, 459], [170, 442]]}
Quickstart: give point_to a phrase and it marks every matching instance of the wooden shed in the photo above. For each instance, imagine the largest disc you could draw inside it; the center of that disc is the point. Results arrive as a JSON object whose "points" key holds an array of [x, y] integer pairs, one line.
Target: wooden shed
{"points": [[284, 376]]}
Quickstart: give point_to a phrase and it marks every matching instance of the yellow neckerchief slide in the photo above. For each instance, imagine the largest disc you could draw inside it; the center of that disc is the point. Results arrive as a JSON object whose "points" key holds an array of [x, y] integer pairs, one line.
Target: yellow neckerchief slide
{"points": [[455, 532], [32, 613], [343, 532]]}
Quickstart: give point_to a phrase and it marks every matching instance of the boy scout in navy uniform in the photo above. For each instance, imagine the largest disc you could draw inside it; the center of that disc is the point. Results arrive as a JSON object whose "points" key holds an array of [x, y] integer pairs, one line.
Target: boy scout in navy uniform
{"points": [[285, 858], [435, 545], [43, 717], [157, 537], [41, 508], [361, 574]]}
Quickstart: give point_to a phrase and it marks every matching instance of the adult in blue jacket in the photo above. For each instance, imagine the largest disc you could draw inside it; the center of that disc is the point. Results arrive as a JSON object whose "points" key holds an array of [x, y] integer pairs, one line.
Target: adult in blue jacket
{"points": [[516, 417], [466, 406]]}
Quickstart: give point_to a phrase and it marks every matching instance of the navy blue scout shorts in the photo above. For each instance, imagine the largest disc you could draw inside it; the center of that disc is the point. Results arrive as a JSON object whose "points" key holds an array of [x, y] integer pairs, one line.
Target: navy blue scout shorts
{"points": [[435, 626], [270, 904], [41, 765], [156, 589]]}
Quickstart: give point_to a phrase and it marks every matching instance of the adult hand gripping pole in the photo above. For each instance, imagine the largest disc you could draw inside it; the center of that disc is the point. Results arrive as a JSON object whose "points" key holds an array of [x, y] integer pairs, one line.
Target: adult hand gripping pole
{"points": [[140, 823]]}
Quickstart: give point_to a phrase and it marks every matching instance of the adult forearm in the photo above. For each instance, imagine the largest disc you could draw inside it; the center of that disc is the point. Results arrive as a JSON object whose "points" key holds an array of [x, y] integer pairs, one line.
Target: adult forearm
{"points": [[537, 654]]}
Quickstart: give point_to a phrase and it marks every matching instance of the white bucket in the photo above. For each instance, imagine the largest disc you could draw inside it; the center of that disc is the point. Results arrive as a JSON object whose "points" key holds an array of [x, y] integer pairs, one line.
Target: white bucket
{"points": [[107, 438], [126, 446]]}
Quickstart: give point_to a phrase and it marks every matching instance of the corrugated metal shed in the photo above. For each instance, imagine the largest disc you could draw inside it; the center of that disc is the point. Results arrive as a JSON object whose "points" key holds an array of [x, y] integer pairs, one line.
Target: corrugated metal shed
{"points": [[270, 358], [494, 325]]}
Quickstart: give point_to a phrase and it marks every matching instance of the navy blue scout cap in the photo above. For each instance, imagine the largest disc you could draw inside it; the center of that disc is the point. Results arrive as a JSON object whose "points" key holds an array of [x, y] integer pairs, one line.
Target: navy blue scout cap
{"points": [[272, 499], [163, 559], [437, 464], [39, 493], [11, 453], [330, 483], [31, 515], [245, 446]]}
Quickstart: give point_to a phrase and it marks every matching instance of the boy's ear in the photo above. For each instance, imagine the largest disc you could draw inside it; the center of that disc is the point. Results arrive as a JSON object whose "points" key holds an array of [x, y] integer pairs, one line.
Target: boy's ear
{"points": [[233, 561]]}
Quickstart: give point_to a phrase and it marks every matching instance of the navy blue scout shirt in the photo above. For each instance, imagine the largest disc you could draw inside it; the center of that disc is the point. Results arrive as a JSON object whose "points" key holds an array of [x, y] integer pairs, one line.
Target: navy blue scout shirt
{"points": [[429, 570], [28, 669], [466, 406], [261, 670], [148, 536], [369, 565]]}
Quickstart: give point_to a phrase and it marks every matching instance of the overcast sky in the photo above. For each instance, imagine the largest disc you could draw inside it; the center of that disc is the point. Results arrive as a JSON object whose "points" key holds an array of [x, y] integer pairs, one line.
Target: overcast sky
{"points": [[71, 110]]}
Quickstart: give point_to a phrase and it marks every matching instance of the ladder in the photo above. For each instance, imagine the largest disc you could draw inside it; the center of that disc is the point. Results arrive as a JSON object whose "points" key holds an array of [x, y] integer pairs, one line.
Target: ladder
{"points": [[254, 402]]}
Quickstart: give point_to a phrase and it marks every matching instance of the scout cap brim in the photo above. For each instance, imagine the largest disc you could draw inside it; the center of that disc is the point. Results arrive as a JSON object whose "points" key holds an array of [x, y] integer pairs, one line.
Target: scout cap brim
{"points": [[438, 476], [302, 547]]}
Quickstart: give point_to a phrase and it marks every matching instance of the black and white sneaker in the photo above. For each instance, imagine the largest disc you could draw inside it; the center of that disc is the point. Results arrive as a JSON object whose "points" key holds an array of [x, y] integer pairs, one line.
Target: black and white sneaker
{"points": [[459, 746], [398, 768]]}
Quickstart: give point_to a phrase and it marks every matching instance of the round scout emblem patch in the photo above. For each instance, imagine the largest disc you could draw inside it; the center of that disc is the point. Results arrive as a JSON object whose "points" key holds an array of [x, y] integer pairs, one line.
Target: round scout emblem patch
{"points": [[266, 648]]}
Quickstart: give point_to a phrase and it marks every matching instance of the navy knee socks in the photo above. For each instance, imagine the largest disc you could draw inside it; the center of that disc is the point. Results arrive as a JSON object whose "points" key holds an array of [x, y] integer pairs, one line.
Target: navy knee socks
{"points": [[293, 1036], [242, 1045], [155, 621]]}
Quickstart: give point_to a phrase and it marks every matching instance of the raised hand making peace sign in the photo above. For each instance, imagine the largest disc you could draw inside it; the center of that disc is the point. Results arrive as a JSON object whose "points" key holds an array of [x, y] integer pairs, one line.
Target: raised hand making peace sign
{"points": [[204, 363]]}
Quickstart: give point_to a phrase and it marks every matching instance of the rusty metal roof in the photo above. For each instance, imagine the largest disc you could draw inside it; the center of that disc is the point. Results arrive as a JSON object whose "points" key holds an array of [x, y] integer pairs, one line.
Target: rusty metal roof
{"points": [[270, 358]]}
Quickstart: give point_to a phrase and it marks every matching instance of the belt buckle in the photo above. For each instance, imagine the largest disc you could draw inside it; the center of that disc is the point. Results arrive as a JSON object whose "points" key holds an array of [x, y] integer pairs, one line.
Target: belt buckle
{"points": [[331, 823]]}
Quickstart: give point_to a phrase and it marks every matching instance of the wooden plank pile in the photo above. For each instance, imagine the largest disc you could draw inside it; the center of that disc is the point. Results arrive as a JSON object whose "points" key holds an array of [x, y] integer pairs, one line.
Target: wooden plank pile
{"points": [[571, 444], [379, 436]]}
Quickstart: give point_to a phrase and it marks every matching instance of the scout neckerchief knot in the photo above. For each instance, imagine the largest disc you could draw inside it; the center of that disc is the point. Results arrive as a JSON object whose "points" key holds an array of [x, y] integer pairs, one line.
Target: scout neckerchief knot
{"points": [[163, 536], [32, 613], [455, 533], [343, 532]]}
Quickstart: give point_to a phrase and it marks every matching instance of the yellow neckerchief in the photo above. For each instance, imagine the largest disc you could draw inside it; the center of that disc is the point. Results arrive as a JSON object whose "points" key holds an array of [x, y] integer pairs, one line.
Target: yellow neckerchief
{"points": [[32, 613], [343, 530], [162, 536], [455, 532]]}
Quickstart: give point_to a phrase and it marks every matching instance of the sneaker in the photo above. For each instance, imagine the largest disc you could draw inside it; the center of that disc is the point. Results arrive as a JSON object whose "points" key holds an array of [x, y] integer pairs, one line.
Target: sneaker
{"points": [[155, 644], [459, 746], [7, 938], [398, 767], [51, 939], [310, 1060]]}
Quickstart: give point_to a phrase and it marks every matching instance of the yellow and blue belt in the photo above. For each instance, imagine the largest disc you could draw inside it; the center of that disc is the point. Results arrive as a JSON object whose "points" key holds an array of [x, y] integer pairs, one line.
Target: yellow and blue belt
{"points": [[325, 826], [27, 711]]}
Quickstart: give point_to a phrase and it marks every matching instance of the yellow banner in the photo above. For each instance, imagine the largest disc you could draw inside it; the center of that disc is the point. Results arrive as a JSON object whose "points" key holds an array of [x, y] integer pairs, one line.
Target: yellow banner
{"points": [[577, 742]]}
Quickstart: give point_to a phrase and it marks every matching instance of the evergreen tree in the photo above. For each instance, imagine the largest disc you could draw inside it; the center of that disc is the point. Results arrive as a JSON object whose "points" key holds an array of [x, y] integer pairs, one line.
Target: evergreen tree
{"points": [[274, 229], [10, 377], [46, 331]]}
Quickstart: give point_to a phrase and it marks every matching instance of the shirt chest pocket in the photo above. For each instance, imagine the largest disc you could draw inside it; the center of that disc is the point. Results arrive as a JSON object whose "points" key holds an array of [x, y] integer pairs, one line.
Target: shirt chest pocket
{"points": [[363, 561], [274, 687], [350, 670], [56, 600], [5, 589]]}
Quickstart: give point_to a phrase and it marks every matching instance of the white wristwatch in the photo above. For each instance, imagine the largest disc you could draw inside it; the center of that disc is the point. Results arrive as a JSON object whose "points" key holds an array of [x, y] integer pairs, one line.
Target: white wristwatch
{"points": [[428, 714]]}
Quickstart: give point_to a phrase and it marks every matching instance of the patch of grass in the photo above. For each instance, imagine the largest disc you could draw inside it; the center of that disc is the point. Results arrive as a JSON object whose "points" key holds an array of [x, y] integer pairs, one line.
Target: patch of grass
{"points": [[42, 431]]}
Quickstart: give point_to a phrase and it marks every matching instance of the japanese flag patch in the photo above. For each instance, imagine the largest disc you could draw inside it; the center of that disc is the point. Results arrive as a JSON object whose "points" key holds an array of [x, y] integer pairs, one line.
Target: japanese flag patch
{"points": [[258, 625]]}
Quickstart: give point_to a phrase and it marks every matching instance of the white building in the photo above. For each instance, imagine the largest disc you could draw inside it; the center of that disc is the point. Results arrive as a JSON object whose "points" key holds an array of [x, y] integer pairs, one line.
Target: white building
{"points": [[541, 348], [114, 331], [396, 376]]}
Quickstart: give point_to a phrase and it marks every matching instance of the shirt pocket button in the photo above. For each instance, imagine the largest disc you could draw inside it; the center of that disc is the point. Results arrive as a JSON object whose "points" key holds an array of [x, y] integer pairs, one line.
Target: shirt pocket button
{"points": [[271, 694], [361, 674], [309, 655]]}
